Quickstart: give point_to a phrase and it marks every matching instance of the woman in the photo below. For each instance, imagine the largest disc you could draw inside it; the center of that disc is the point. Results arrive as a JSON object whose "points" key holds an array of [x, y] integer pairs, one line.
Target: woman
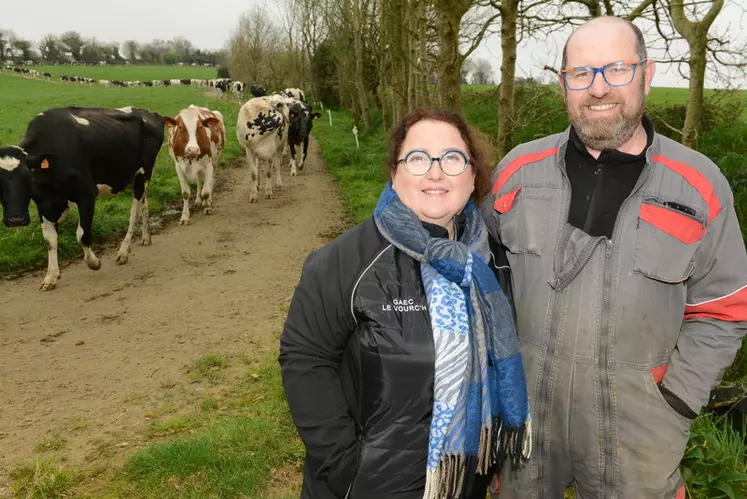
{"points": [[399, 354]]}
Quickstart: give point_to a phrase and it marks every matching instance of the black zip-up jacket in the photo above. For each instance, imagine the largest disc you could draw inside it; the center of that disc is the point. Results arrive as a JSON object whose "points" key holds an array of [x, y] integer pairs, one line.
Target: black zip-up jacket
{"points": [[357, 361]]}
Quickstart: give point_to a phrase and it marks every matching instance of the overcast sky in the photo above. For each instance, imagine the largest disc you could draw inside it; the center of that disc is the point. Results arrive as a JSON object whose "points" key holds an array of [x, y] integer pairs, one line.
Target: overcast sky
{"points": [[209, 24]]}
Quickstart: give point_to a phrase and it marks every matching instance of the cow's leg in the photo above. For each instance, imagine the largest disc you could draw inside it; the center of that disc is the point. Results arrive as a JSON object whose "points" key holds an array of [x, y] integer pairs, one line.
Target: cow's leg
{"points": [[145, 218], [293, 158], [268, 178], [124, 249], [140, 189], [83, 234], [49, 230], [198, 192], [278, 179], [253, 164], [185, 195], [305, 151], [207, 190], [276, 162]]}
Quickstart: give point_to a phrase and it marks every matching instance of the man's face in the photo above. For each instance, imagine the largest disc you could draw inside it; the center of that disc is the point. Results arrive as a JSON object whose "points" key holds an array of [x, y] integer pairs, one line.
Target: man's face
{"points": [[604, 116]]}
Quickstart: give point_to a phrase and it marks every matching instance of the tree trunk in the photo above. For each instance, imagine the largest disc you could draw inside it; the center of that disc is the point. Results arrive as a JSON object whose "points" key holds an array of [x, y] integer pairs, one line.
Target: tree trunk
{"points": [[449, 15], [423, 96], [359, 86], [412, 49], [399, 84], [696, 34], [509, 10], [355, 107], [383, 89]]}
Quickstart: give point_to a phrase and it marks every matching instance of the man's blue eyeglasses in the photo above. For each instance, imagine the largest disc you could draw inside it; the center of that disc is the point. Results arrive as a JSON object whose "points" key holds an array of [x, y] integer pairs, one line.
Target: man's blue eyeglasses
{"points": [[616, 74]]}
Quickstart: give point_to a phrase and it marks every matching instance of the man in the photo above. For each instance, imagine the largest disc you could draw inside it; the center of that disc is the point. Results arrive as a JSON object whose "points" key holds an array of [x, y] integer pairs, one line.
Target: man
{"points": [[630, 281]]}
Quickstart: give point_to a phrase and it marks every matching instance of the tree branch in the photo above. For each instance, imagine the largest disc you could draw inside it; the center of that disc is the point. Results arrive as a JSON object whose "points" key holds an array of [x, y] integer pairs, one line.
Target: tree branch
{"points": [[638, 11], [478, 39]]}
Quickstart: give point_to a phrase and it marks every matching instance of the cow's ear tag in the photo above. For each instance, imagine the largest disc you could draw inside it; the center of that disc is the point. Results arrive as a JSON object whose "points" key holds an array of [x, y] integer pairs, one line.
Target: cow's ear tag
{"points": [[45, 164]]}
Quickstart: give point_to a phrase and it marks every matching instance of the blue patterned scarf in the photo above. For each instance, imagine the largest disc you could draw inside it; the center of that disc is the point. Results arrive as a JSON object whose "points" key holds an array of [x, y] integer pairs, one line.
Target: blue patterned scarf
{"points": [[480, 405]]}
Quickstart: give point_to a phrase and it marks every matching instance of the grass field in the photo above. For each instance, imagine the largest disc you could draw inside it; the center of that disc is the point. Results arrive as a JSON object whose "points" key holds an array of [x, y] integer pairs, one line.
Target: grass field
{"points": [[130, 72], [22, 98]]}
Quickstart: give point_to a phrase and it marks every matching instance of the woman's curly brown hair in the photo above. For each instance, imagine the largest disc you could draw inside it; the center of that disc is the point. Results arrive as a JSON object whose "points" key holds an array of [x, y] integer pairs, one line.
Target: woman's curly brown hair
{"points": [[478, 146]]}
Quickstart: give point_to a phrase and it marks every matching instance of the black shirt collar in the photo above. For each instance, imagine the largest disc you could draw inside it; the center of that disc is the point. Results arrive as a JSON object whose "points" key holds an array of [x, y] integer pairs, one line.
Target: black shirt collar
{"points": [[613, 156], [438, 231]]}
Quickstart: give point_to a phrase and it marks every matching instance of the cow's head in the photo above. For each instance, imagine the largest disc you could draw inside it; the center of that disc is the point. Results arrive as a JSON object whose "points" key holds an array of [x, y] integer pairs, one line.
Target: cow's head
{"points": [[301, 120], [188, 137], [313, 117], [258, 91], [15, 187]]}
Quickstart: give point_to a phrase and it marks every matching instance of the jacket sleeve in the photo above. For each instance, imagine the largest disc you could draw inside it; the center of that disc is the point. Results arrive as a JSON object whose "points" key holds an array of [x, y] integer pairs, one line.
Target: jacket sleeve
{"points": [[316, 333], [715, 317]]}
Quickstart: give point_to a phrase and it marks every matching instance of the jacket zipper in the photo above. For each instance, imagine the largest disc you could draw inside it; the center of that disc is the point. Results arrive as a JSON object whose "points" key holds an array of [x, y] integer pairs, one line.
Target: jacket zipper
{"points": [[603, 349], [604, 377], [550, 350]]}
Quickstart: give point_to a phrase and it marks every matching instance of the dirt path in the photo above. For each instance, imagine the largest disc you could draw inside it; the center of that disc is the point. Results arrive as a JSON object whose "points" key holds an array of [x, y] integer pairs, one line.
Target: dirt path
{"points": [[100, 351]]}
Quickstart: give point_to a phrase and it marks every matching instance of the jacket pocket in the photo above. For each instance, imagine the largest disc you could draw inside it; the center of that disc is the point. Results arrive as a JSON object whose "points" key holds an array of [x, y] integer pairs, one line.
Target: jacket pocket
{"points": [[523, 219], [656, 375], [668, 234]]}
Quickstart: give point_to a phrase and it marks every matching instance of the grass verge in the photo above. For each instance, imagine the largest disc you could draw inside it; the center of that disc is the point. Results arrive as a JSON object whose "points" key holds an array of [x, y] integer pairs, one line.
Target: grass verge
{"points": [[240, 443]]}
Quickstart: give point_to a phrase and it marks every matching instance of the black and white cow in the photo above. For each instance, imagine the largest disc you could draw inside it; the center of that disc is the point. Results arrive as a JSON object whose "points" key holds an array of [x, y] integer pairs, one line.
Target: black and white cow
{"points": [[258, 91], [294, 93], [301, 120], [73, 155]]}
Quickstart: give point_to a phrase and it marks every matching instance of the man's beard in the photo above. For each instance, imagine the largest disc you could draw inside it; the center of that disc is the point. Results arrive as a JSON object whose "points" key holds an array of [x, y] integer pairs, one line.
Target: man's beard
{"points": [[609, 132]]}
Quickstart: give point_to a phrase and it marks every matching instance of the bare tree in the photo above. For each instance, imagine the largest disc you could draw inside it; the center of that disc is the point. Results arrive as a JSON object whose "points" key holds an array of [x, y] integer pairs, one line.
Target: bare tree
{"points": [[468, 66], [130, 50], [92, 52], [509, 10], [251, 46], [483, 73], [449, 15], [692, 21], [313, 30], [358, 12], [74, 43], [5, 37], [23, 47], [49, 48], [384, 56]]}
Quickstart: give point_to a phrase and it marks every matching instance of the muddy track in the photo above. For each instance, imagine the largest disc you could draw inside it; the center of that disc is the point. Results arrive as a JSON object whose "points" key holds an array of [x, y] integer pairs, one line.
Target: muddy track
{"points": [[105, 347]]}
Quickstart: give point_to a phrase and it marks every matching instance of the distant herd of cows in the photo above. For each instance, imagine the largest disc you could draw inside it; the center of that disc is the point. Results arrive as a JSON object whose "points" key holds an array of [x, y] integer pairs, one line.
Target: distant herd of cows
{"points": [[222, 85], [70, 156]]}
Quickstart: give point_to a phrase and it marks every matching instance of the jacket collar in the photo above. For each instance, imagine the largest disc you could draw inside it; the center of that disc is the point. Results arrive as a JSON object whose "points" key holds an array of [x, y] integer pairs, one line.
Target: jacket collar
{"points": [[438, 231]]}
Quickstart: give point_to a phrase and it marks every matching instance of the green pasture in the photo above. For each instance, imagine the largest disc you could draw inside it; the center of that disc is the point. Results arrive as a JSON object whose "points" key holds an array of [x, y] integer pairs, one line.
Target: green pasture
{"points": [[130, 73], [22, 98]]}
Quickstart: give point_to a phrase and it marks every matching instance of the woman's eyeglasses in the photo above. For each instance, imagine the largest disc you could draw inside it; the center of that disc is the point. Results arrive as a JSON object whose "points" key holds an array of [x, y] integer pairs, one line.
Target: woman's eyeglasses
{"points": [[418, 162]]}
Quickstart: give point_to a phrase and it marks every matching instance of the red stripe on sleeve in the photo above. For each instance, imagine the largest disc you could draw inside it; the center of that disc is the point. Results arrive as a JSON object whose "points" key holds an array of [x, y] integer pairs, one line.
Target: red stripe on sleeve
{"points": [[517, 164]]}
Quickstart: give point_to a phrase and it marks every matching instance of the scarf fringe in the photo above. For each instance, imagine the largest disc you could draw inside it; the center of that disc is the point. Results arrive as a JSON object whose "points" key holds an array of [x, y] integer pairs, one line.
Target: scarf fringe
{"points": [[514, 445], [497, 444]]}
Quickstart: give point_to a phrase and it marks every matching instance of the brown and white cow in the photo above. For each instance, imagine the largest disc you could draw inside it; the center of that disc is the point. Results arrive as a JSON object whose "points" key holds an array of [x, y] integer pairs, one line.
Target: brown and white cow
{"points": [[196, 139], [262, 130]]}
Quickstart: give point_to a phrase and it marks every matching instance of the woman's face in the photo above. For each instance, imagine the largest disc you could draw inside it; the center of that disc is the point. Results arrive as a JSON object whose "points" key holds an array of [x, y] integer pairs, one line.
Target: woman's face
{"points": [[435, 197]]}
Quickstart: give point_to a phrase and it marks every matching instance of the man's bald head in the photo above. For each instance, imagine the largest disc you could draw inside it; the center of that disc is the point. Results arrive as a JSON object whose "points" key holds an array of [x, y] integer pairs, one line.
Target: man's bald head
{"points": [[607, 22]]}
